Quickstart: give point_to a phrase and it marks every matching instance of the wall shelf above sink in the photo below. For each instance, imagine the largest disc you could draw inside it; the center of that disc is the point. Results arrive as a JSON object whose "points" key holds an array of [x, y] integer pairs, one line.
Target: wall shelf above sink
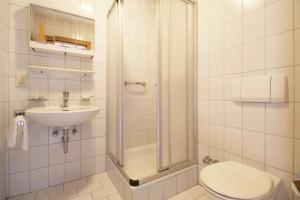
{"points": [[49, 48], [60, 72]]}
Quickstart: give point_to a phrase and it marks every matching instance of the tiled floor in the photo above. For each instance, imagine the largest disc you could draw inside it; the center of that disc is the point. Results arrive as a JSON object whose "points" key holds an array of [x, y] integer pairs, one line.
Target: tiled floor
{"points": [[98, 187]]}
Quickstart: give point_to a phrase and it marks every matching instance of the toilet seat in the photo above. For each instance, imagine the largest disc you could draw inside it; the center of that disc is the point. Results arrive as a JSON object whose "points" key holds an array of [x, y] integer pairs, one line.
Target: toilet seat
{"points": [[232, 180]]}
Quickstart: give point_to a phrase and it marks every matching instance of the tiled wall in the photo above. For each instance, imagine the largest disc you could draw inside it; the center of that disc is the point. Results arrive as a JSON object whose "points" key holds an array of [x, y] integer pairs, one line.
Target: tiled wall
{"points": [[45, 163], [3, 93], [242, 38], [140, 50]]}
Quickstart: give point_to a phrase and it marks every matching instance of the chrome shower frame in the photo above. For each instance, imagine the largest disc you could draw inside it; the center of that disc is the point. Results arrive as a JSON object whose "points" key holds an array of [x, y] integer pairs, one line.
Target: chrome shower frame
{"points": [[119, 159]]}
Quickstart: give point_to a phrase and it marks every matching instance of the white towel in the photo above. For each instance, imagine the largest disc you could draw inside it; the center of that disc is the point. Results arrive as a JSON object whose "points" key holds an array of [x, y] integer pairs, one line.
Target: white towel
{"points": [[12, 138]]}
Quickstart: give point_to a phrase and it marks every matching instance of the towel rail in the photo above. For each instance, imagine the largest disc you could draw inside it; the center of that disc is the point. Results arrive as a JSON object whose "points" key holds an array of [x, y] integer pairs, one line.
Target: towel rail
{"points": [[144, 84]]}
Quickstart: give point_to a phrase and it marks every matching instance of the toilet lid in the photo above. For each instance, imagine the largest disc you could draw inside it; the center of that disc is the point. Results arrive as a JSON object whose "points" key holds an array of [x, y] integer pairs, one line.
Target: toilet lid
{"points": [[236, 180]]}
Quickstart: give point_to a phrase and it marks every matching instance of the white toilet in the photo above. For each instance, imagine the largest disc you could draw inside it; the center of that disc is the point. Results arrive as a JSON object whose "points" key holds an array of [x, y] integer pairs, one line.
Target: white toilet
{"points": [[235, 181]]}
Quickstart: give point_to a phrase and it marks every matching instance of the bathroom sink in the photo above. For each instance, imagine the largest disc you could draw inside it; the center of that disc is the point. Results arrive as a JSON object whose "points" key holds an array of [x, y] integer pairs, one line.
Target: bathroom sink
{"points": [[54, 116]]}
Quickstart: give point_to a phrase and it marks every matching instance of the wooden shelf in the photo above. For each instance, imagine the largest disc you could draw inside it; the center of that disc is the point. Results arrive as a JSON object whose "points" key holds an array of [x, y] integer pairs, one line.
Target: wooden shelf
{"points": [[60, 72], [51, 48]]}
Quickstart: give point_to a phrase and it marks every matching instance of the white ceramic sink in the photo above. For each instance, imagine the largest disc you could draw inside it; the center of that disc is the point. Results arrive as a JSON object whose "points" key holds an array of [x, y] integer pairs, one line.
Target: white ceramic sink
{"points": [[54, 116]]}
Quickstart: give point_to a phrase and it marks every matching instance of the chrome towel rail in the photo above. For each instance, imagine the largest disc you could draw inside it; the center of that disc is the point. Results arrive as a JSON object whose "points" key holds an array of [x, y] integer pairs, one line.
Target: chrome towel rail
{"points": [[144, 84]]}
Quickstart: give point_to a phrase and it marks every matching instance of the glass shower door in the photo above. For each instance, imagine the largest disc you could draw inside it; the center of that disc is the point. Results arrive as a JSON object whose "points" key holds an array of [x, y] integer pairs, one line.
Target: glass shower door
{"points": [[139, 87], [114, 126], [178, 80], [152, 87]]}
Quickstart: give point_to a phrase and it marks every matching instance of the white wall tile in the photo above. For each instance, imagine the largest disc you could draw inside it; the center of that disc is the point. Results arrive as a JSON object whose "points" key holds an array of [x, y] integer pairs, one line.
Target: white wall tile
{"points": [[18, 17], [254, 55], [87, 148], [254, 146], [100, 164], [18, 161], [254, 25], [202, 152], [233, 60], [56, 154], [249, 6], [234, 33], [233, 157], [203, 89], [233, 140], [203, 111], [39, 179], [73, 151], [228, 80], [216, 63], [233, 114], [57, 174], [170, 187], [217, 13], [18, 183], [254, 116], [18, 41], [258, 165], [216, 112], [17, 62], [216, 154], [100, 90], [216, 88], [216, 136], [87, 167], [156, 192], [279, 17], [142, 193], [73, 87], [38, 157], [19, 2], [182, 182], [203, 49], [216, 39], [279, 50], [99, 127], [203, 132], [203, 66], [203, 23], [38, 87], [280, 119], [279, 152], [17, 93], [38, 135], [233, 9], [100, 146], [73, 170]]}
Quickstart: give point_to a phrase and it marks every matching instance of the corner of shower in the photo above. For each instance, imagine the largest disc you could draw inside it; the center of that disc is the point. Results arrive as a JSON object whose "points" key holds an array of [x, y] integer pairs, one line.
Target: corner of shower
{"points": [[151, 92]]}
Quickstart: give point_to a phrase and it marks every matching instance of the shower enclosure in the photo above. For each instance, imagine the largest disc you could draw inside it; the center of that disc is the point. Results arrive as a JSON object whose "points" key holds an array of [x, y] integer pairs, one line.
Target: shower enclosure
{"points": [[151, 87]]}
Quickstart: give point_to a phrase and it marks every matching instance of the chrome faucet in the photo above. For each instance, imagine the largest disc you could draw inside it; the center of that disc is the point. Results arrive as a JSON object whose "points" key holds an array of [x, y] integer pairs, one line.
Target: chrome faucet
{"points": [[66, 101]]}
